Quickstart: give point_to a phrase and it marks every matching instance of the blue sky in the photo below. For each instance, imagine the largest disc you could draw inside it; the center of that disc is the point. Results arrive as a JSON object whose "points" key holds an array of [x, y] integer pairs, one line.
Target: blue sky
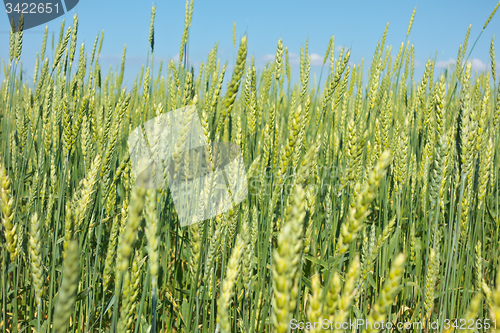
{"points": [[438, 30]]}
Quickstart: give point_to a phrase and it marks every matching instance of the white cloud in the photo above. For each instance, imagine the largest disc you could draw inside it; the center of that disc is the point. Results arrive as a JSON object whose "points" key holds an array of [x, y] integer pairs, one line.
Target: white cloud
{"points": [[294, 58], [316, 59], [338, 48], [116, 59], [478, 65], [267, 57], [445, 63], [263, 60]]}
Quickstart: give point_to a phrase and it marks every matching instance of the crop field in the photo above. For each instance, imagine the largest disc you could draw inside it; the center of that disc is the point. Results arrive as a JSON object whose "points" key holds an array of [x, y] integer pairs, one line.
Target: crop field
{"points": [[370, 201]]}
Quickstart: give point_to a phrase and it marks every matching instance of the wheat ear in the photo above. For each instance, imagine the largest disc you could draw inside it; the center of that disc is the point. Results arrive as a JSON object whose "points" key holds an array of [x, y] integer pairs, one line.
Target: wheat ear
{"points": [[69, 286]]}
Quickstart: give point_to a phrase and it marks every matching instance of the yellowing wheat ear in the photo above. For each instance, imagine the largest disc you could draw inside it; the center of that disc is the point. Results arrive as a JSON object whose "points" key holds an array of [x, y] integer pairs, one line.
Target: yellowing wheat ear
{"points": [[315, 302], [388, 293], [8, 213], [151, 29], [152, 236], [130, 292], [228, 284], [493, 296], [286, 261], [342, 172], [36, 257], [130, 232], [359, 211], [345, 299], [69, 287], [19, 39]]}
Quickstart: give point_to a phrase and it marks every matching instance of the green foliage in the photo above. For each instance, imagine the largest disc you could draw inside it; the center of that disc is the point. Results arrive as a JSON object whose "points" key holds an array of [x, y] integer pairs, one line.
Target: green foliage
{"points": [[376, 201]]}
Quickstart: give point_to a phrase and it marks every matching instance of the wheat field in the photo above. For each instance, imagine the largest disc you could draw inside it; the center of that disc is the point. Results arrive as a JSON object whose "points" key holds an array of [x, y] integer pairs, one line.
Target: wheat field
{"points": [[371, 200]]}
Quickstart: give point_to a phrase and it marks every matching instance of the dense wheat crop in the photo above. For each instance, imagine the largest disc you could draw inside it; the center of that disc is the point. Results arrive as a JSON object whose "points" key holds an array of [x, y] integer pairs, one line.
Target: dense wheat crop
{"points": [[374, 200]]}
